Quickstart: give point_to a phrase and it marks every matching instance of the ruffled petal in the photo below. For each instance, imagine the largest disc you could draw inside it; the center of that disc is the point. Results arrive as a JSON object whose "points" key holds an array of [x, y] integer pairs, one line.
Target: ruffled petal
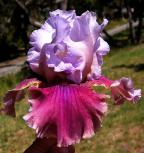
{"points": [[121, 90], [95, 28], [80, 54], [50, 63], [95, 71], [71, 58], [80, 30], [86, 26], [15, 94], [40, 37], [102, 48], [33, 58], [68, 15], [62, 27], [69, 46], [69, 112]]}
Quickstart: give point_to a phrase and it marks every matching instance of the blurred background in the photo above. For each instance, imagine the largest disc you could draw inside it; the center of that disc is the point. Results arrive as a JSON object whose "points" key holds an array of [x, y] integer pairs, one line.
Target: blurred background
{"points": [[18, 18], [123, 127]]}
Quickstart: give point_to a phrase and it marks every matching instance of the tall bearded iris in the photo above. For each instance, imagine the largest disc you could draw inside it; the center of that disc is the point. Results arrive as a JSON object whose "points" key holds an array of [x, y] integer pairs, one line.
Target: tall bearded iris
{"points": [[67, 52]]}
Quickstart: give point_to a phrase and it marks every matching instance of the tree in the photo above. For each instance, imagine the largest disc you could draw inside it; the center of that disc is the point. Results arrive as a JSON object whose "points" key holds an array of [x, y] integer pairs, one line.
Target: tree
{"points": [[130, 19]]}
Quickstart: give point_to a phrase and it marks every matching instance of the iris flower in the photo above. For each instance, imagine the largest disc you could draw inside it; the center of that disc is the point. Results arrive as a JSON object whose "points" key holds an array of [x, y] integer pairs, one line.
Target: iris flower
{"points": [[67, 52]]}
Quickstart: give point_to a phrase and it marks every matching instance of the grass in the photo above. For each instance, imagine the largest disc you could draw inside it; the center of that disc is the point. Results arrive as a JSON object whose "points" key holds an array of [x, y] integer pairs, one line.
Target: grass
{"points": [[123, 127]]}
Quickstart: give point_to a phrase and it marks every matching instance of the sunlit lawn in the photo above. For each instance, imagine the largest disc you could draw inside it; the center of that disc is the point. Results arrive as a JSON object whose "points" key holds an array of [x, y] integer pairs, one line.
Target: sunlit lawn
{"points": [[123, 127]]}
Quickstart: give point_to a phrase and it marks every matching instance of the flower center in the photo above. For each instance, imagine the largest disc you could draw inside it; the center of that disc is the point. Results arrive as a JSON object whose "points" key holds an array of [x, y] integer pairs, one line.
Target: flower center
{"points": [[60, 53]]}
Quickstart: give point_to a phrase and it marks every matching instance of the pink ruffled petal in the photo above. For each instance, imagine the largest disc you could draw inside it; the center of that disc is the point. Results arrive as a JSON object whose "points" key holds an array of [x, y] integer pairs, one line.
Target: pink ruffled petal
{"points": [[15, 94], [69, 112], [121, 90]]}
